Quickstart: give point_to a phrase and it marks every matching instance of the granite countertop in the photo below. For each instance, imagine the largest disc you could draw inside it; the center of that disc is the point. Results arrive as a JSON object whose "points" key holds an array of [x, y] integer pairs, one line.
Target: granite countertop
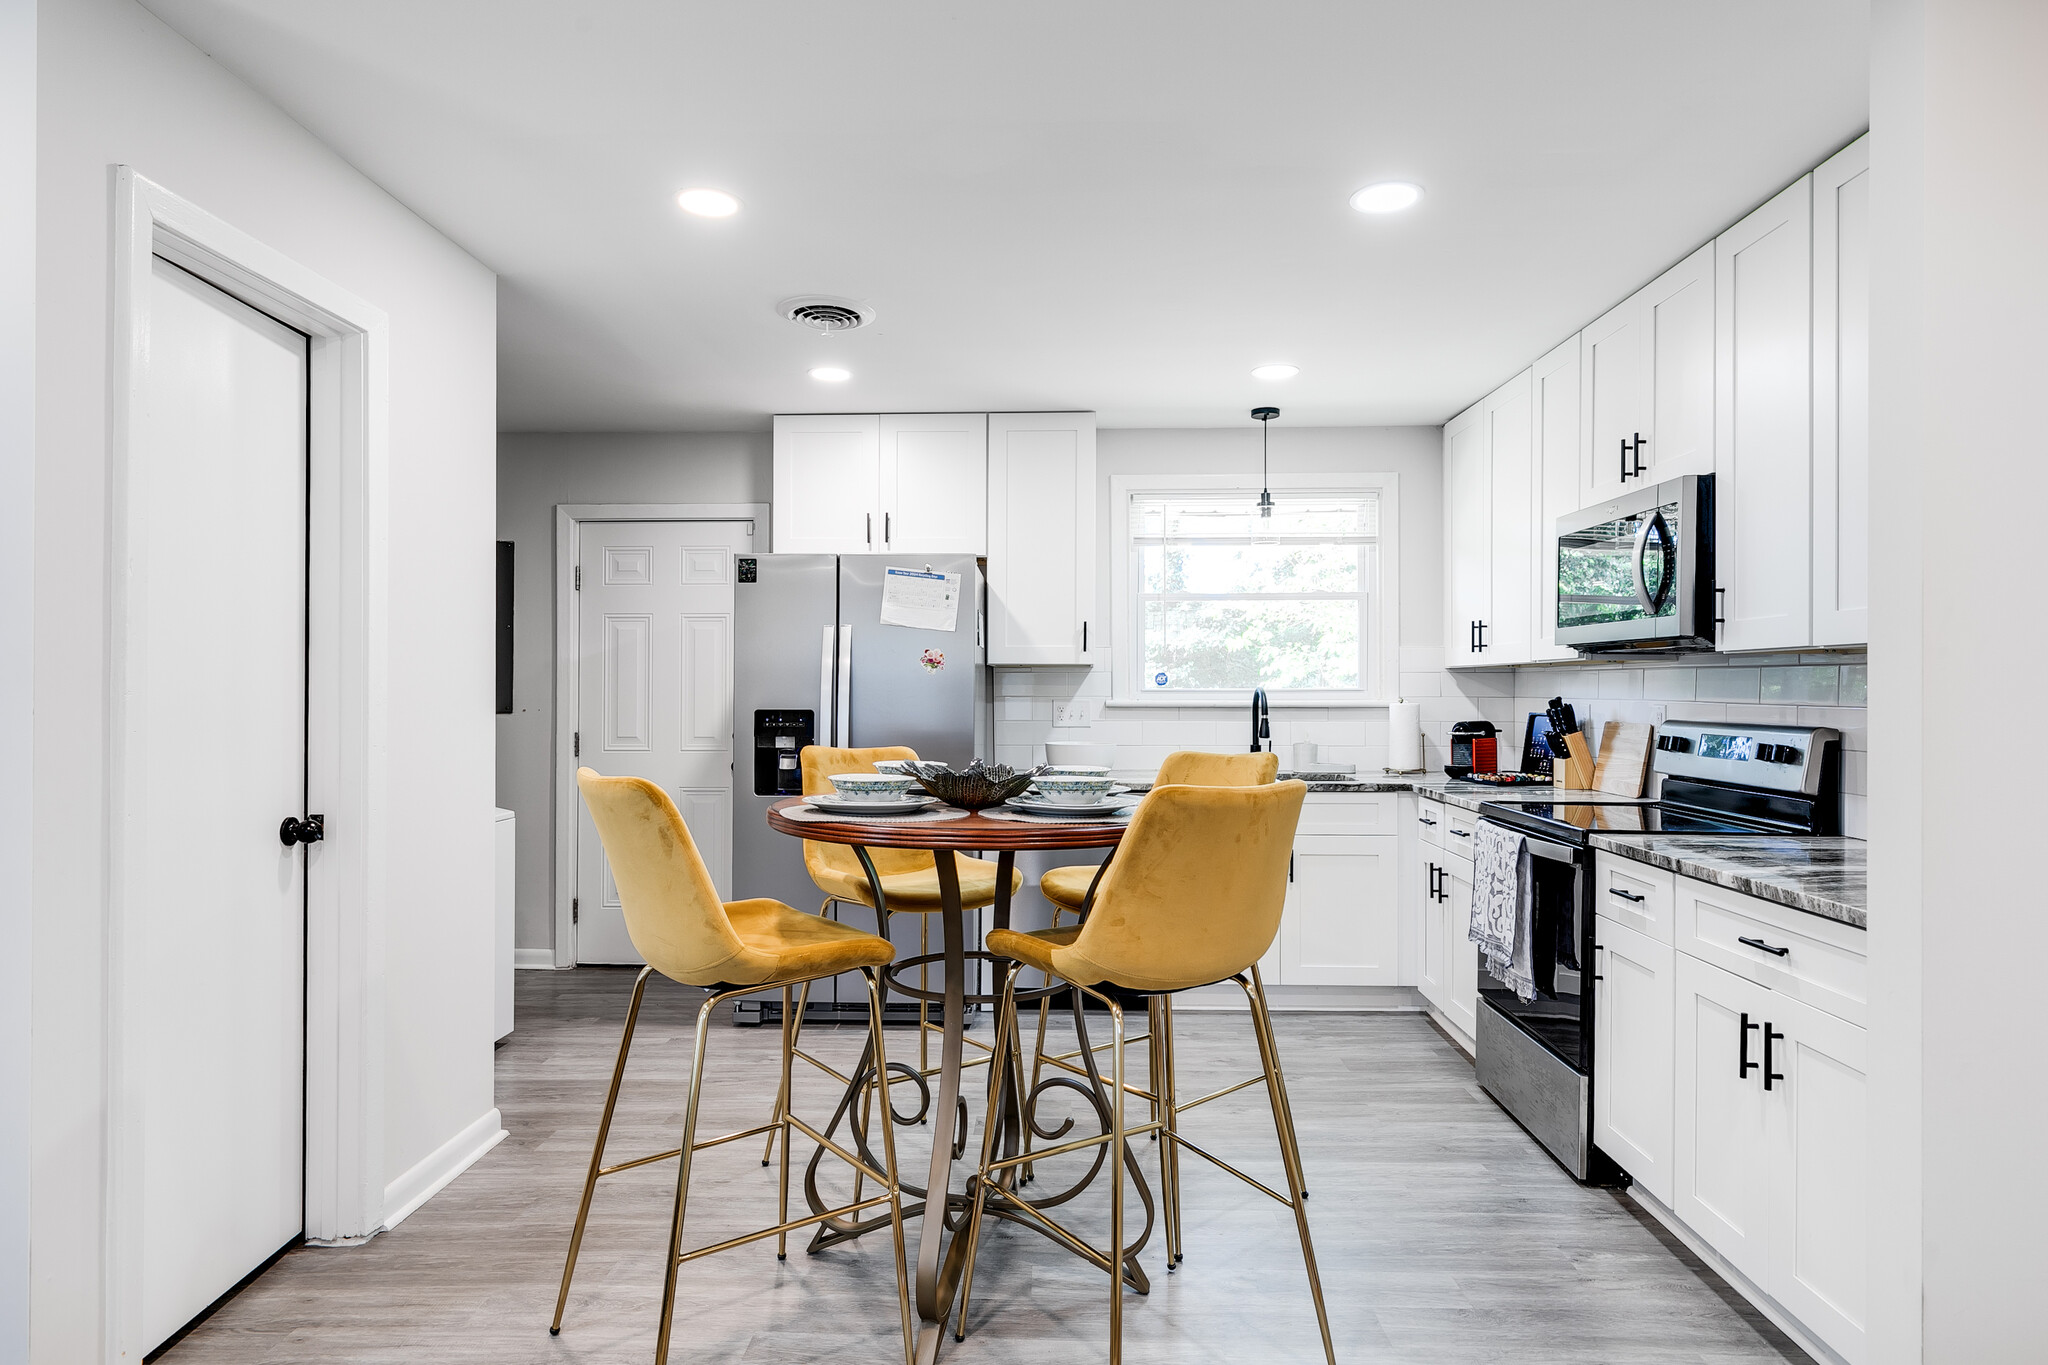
{"points": [[1823, 876]]}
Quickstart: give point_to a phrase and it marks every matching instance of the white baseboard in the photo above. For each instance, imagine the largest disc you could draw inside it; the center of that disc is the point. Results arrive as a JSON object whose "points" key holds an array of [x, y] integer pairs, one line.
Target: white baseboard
{"points": [[534, 959], [1307, 999], [405, 1194], [1741, 1283]]}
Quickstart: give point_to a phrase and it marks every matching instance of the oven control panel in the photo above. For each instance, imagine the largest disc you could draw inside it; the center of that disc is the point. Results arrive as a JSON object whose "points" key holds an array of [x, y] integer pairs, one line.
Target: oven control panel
{"points": [[1785, 758]]}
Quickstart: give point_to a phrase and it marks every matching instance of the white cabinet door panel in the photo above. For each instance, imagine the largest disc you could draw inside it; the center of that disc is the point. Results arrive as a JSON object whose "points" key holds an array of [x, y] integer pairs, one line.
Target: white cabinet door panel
{"points": [[1614, 403], [1468, 534], [1342, 926], [1819, 1179], [1461, 955], [1632, 1022], [1841, 397], [1720, 1168], [1431, 969], [827, 472], [1554, 396], [1041, 538], [1764, 453], [1508, 629], [1678, 311], [934, 483]]}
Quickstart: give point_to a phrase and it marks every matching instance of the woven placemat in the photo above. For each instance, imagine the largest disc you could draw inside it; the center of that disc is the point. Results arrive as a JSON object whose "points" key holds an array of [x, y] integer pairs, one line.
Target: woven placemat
{"points": [[1122, 817], [810, 815]]}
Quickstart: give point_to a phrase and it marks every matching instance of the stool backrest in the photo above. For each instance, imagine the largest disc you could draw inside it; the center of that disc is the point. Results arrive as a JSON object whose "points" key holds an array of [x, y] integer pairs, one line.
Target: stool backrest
{"points": [[821, 761], [1189, 768], [1195, 890], [673, 913]]}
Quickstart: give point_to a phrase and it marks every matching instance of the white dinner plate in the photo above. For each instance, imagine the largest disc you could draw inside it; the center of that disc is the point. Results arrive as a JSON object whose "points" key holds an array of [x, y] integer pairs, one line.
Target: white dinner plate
{"points": [[908, 805], [1038, 806]]}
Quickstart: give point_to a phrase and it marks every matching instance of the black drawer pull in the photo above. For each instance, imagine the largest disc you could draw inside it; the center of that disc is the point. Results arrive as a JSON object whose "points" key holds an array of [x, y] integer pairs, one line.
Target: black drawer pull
{"points": [[1462, 833], [1425, 820], [1625, 895], [1763, 946], [1743, 1065], [1770, 1035]]}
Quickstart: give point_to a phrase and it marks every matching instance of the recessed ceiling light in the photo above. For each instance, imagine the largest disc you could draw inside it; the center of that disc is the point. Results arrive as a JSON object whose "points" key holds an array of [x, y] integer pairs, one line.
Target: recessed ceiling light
{"points": [[1275, 371], [1389, 196], [831, 374], [708, 203]]}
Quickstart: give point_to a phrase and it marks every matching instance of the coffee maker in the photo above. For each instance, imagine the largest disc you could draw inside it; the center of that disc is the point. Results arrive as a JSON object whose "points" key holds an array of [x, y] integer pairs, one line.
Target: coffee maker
{"points": [[1475, 748]]}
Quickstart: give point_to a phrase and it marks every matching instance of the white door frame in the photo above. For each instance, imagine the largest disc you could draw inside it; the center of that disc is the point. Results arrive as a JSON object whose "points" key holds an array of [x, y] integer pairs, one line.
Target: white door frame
{"points": [[346, 682], [569, 519]]}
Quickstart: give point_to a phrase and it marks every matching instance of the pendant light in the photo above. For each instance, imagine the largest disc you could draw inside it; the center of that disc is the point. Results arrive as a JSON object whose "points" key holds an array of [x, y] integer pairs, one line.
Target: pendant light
{"points": [[1265, 418]]}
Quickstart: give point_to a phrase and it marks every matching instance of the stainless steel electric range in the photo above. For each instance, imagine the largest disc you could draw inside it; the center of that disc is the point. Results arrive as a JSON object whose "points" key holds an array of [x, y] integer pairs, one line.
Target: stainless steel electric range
{"points": [[1729, 781]]}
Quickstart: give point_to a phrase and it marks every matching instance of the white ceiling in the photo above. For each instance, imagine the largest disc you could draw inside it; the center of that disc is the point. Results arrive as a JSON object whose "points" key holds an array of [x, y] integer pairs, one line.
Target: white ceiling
{"points": [[1119, 206]]}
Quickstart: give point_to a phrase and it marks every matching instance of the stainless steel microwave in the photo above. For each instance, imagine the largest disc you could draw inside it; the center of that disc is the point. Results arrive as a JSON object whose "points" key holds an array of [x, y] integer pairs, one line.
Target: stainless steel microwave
{"points": [[1637, 572]]}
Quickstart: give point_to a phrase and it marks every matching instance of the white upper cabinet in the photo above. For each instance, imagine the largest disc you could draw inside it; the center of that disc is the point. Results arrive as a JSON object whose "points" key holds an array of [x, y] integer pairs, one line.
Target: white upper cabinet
{"points": [[1764, 454], [1506, 631], [1041, 538], [865, 484], [1841, 397], [1554, 440], [934, 483], [827, 473], [1468, 535], [1647, 384]]}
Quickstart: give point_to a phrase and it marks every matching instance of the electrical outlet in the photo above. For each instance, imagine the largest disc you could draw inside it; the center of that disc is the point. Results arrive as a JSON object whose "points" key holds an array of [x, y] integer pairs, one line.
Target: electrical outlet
{"points": [[1070, 713], [1657, 715]]}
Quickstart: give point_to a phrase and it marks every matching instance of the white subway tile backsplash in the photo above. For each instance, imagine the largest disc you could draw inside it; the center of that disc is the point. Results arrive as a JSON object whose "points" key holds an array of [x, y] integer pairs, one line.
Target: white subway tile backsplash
{"points": [[1750, 713], [1855, 687], [1668, 684], [1415, 686], [1855, 772], [1804, 685], [1727, 684], [1696, 710], [1622, 682], [1185, 734]]}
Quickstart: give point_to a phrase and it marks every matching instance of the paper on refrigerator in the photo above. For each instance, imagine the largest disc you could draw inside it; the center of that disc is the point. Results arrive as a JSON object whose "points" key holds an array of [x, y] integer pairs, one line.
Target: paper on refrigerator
{"points": [[920, 599]]}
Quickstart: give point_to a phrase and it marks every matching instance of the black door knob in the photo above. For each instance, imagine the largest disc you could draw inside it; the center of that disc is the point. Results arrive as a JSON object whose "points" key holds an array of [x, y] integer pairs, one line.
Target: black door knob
{"points": [[310, 830]]}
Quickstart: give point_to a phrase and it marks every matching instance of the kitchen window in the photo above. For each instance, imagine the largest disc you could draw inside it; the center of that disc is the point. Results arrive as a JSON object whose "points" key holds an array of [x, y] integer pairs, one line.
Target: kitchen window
{"points": [[1216, 600]]}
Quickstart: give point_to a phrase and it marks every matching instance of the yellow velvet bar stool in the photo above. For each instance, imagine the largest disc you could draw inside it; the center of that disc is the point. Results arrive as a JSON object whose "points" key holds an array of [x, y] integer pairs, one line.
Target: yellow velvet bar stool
{"points": [[732, 949], [1192, 898], [1068, 889], [909, 877]]}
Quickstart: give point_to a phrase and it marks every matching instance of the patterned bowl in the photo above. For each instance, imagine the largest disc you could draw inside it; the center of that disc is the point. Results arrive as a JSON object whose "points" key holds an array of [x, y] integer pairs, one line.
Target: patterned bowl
{"points": [[869, 786], [1076, 770], [1071, 789], [976, 787]]}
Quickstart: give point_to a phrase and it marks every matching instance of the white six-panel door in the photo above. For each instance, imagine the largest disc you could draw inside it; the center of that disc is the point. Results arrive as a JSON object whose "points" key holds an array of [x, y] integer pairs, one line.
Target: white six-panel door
{"points": [[215, 1053], [654, 693]]}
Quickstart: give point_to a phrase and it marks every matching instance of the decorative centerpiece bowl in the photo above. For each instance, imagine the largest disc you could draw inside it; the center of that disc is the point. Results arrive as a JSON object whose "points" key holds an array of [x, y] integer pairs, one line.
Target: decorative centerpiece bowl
{"points": [[976, 787]]}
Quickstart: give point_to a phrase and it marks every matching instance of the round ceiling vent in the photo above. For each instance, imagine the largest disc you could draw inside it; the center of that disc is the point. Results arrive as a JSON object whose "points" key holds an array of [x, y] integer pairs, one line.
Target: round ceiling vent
{"points": [[822, 313]]}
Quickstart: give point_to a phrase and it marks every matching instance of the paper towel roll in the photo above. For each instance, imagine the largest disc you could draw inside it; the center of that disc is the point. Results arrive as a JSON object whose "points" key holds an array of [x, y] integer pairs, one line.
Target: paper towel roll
{"points": [[1404, 736]]}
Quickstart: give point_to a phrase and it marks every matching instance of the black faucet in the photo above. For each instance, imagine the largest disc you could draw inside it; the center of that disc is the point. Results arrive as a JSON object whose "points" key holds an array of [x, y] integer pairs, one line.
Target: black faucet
{"points": [[1262, 729]]}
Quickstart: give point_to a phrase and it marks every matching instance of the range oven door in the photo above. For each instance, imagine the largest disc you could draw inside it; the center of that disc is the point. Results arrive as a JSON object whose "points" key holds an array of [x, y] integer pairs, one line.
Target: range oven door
{"points": [[1638, 571]]}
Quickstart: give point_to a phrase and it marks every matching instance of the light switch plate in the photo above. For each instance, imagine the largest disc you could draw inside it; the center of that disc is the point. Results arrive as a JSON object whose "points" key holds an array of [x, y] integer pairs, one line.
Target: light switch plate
{"points": [[1657, 714], [1070, 713]]}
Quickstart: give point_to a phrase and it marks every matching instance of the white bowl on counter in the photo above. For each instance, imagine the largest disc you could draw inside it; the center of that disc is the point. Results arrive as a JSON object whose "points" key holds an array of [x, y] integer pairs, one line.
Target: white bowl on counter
{"points": [[1077, 770], [870, 786], [1060, 753], [1072, 789]]}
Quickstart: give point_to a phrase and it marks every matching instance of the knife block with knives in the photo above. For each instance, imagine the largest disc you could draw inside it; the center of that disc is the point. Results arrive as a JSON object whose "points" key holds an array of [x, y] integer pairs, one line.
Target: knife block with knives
{"points": [[1573, 770]]}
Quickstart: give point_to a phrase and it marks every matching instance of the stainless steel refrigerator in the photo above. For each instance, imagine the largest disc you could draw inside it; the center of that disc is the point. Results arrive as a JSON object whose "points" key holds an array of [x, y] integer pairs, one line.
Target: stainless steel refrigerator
{"points": [[813, 664]]}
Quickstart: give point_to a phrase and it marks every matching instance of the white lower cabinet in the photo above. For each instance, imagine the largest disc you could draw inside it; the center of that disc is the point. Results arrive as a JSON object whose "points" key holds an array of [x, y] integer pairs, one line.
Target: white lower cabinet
{"points": [[1770, 1143], [1448, 965], [1342, 926], [1632, 1049], [1431, 964]]}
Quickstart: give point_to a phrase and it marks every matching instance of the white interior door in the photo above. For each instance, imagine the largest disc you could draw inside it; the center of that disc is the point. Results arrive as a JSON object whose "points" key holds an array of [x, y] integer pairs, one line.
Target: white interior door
{"points": [[654, 693], [214, 1041]]}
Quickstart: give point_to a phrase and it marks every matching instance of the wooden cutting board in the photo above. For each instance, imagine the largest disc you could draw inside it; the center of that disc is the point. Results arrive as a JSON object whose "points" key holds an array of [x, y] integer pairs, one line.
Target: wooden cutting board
{"points": [[1624, 764]]}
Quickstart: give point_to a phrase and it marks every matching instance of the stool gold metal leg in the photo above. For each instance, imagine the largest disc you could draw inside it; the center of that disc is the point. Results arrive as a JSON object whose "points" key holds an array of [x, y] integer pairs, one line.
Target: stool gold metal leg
{"points": [[787, 1105], [1290, 1149], [803, 1001], [604, 1128], [1176, 1249], [899, 1243], [675, 1227], [999, 1073], [1116, 1186]]}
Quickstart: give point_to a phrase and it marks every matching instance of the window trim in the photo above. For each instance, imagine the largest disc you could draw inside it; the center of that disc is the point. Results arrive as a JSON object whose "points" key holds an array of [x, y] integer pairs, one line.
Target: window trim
{"points": [[1384, 652]]}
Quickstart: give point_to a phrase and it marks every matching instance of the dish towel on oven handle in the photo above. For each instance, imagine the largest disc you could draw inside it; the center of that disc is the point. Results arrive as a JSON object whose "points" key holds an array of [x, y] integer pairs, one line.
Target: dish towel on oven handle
{"points": [[1503, 910]]}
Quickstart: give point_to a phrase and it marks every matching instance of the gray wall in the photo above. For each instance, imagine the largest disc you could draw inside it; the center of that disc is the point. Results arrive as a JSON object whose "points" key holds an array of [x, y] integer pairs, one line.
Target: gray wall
{"points": [[536, 472]]}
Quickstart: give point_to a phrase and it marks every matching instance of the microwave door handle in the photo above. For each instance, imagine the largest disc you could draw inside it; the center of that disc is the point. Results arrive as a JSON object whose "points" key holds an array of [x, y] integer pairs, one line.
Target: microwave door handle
{"points": [[1642, 548]]}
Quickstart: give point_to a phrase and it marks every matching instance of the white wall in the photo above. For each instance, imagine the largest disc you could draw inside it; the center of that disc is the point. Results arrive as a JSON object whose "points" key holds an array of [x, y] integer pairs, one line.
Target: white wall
{"points": [[1027, 697], [1959, 1080], [535, 473], [117, 86], [17, 614]]}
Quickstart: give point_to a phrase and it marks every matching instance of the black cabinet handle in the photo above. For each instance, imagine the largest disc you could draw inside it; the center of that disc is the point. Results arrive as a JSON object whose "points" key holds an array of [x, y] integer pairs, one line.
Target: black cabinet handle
{"points": [[1743, 1065], [1624, 461], [1290, 867], [1770, 1075], [1461, 833], [1482, 636], [1635, 451], [1625, 895], [871, 528], [1084, 637], [1425, 820], [1720, 606], [310, 830], [1599, 948], [885, 528], [1471, 637], [1765, 947]]}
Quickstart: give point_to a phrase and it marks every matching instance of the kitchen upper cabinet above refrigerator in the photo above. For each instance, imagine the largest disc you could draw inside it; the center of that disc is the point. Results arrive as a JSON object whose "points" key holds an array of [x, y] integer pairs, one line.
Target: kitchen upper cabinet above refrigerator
{"points": [[1647, 384], [877, 484]]}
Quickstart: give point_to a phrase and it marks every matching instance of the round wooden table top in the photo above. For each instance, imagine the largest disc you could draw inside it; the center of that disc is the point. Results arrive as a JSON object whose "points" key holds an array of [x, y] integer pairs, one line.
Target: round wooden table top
{"points": [[976, 832]]}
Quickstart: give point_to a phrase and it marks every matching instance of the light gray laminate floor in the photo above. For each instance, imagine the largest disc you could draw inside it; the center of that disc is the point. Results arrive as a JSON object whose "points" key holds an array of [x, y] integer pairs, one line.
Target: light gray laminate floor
{"points": [[1445, 1234]]}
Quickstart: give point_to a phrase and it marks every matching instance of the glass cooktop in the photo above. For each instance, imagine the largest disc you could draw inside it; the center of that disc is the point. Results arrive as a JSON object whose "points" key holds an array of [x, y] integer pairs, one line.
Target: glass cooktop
{"points": [[1649, 818]]}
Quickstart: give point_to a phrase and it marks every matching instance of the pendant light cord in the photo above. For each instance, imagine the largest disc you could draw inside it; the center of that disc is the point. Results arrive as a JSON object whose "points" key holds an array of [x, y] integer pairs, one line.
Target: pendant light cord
{"points": [[1265, 418]]}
